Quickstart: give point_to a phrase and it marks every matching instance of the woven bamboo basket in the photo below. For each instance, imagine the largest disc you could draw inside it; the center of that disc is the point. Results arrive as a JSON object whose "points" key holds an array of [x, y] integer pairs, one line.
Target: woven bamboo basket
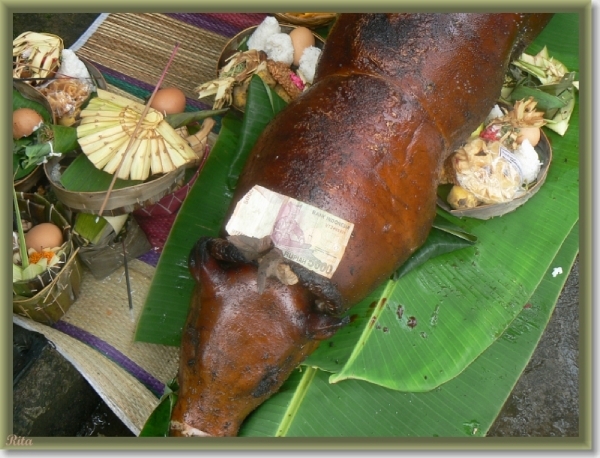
{"points": [[120, 201], [487, 211], [106, 256], [47, 297], [52, 302], [309, 20]]}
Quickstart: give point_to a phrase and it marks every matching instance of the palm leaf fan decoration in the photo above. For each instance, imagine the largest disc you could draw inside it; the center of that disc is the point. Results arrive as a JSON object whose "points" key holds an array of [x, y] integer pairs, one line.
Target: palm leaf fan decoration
{"points": [[105, 133]]}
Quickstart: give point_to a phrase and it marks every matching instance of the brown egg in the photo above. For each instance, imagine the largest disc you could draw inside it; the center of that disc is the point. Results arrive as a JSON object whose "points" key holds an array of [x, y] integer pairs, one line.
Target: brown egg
{"points": [[25, 121], [302, 38], [43, 235], [532, 134], [169, 100]]}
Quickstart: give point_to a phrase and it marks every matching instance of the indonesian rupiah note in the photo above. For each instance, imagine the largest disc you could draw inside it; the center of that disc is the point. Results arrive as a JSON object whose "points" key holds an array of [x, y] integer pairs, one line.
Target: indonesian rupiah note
{"points": [[305, 234]]}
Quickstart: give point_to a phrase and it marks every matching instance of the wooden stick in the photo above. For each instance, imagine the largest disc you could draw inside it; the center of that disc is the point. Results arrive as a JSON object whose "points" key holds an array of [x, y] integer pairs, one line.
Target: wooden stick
{"points": [[126, 267], [137, 128]]}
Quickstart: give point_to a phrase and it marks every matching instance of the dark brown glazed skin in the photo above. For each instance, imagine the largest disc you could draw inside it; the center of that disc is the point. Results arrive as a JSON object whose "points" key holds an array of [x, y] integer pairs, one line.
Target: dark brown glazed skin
{"points": [[394, 95], [239, 346]]}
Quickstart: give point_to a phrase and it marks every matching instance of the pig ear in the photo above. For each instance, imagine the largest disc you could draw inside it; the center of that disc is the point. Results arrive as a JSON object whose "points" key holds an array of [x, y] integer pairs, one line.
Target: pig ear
{"points": [[202, 264], [321, 326], [198, 257]]}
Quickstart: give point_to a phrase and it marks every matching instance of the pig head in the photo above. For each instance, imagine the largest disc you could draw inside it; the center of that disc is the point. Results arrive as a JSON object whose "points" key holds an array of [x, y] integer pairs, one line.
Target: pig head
{"points": [[246, 340]]}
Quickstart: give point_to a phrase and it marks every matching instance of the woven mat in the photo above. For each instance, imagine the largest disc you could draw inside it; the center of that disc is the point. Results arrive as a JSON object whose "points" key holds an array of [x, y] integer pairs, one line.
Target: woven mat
{"points": [[96, 334], [126, 374], [131, 50]]}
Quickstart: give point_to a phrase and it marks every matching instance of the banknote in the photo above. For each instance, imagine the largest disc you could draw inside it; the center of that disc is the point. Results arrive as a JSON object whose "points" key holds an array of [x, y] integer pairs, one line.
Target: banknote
{"points": [[305, 234]]}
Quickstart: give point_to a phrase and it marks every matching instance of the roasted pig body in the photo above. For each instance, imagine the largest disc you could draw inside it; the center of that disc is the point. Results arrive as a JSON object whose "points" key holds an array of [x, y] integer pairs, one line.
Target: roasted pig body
{"points": [[393, 96]]}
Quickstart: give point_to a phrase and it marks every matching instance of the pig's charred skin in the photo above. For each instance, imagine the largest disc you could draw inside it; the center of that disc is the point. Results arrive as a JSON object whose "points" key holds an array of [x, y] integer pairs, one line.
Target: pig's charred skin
{"points": [[393, 96], [239, 346], [367, 141]]}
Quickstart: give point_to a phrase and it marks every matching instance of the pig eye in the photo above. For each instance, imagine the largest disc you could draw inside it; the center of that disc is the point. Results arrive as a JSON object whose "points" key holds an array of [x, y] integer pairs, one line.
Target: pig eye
{"points": [[325, 307]]}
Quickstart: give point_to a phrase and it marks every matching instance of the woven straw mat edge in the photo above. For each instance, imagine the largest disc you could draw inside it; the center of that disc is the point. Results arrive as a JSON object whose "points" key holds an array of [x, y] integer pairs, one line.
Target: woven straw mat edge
{"points": [[102, 310], [136, 45], [131, 401]]}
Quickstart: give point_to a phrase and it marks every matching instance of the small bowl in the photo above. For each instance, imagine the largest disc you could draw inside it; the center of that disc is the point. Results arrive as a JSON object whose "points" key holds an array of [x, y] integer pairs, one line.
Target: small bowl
{"points": [[238, 42], [241, 38], [487, 211], [311, 22], [27, 182]]}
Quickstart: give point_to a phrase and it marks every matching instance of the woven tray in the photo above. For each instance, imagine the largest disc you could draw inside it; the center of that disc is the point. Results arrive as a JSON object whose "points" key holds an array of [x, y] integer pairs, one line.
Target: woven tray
{"points": [[120, 201], [309, 20], [487, 211]]}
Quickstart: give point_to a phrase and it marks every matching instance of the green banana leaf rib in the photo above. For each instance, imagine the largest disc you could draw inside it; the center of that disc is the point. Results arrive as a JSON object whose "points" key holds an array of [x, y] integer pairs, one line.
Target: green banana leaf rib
{"points": [[465, 406]]}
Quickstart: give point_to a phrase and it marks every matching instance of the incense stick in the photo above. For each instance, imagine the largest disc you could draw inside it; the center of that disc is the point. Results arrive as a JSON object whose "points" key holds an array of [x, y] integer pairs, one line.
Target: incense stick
{"points": [[136, 130], [127, 281]]}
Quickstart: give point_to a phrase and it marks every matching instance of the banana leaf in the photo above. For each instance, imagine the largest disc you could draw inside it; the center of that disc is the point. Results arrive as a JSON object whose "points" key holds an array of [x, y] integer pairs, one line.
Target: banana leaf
{"points": [[83, 176], [177, 120], [545, 101], [308, 405], [443, 238], [20, 101], [417, 336]]}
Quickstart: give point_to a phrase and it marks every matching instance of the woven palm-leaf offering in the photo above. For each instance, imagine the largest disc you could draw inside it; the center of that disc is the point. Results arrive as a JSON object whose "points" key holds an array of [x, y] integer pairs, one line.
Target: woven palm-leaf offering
{"points": [[36, 56], [497, 171], [500, 167], [132, 158], [149, 161], [55, 84], [106, 136], [66, 81], [47, 286], [283, 55]]}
